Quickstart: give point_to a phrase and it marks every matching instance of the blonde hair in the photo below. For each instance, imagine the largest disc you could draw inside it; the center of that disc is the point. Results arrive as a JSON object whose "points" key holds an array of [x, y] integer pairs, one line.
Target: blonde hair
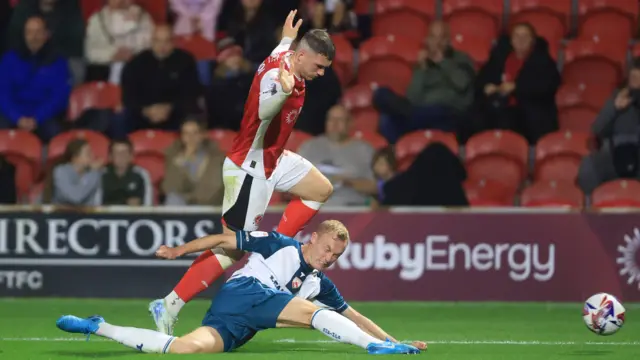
{"points": [[335, 227]]}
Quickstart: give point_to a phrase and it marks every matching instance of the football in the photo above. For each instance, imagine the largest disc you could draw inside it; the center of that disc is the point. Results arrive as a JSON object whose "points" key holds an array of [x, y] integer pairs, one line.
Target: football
{"points": [[603, 314]]}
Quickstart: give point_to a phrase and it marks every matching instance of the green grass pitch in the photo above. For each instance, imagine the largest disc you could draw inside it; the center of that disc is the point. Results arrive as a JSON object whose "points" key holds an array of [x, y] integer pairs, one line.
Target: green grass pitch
{"points": [[455, 331]]}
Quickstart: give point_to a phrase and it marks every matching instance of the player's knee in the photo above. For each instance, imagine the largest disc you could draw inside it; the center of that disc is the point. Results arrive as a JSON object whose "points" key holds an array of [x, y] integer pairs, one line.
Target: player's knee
{"points": [[325, 191], [188, 346]]}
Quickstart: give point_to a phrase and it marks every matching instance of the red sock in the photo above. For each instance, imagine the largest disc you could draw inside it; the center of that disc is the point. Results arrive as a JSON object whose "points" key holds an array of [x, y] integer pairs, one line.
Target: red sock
{"points": [[202, 273], [297, 214]]}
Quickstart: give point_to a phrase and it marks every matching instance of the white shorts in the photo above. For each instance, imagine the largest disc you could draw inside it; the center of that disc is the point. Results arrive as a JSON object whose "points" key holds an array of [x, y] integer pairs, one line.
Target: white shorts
{"points": [[246, 198]]}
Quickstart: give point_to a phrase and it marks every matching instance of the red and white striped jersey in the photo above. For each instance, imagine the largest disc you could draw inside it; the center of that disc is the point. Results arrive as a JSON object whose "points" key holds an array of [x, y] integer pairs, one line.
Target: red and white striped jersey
{"points": [[269, 116]]}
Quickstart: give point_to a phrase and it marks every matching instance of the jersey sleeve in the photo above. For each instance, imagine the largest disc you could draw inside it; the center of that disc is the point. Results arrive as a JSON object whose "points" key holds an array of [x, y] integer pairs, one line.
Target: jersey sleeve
{"points": [[284, 45], [263, 243], [272, 97], [329, 295]]}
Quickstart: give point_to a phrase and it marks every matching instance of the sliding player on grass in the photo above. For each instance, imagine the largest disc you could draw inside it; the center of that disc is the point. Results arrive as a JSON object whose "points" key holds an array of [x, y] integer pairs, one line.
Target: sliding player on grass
{"points": [[262, 295], [258, 165]]}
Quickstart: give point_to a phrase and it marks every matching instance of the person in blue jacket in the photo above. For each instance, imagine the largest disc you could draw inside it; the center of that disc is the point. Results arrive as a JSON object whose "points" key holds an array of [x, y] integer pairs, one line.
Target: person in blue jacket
{"points": [[35, 84]]}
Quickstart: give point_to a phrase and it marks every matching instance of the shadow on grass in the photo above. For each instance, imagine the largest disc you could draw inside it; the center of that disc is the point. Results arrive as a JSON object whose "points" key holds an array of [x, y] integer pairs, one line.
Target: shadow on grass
{"points": [[94, 354]]}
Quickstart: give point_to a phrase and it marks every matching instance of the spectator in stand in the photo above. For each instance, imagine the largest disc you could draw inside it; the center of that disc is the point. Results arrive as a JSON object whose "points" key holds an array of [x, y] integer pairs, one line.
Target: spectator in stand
{"points": [[253, 28], [196, 17], [116, 33], [124, 183], [343, 159], [8, 192], [35, 84], [385, 169], [617, 129], [76, 181], [440, 92], [65, 23], [232, 80], [516, 88], [160, 86], [435, 178], [333, 15], [193, 170]]}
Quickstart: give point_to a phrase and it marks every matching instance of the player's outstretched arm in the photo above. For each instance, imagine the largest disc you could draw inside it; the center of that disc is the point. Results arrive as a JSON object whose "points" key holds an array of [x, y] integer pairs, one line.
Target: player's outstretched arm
{"points": [[370, 327], [225, 241]]}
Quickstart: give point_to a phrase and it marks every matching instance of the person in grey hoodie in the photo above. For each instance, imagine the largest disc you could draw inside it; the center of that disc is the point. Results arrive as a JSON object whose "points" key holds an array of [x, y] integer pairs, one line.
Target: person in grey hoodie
{"points": [[617, 129], [77, 180]]}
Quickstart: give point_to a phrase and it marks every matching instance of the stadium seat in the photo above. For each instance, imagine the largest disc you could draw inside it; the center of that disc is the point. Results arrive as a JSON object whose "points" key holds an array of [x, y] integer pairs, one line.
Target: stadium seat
{"points": [[151, 141], [93, 95], [343, 63], [155, 166], [374, 139], [559, 154], [593, 62], [411, 144], [24, 150], [223, 138], [555, 15], [379, 54], [474, 25], [577, 119], [98, 142], [552, 194], [199, 47], [358, 100], [617, 193], [296, 139], [497, 154], [403, 18], [596, 19], [635, 50], [592, 96], [488, 192]]}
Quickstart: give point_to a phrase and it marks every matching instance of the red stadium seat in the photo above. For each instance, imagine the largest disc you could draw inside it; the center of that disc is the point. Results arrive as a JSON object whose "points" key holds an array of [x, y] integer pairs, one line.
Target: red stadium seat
{"points": [[296, 139], [617, 193], [411, 144], [559, 154], [488, 192], [223, 138], [199, 47], [94, 95], [98, 142], [380, 54], [635, 50], [403, 18], [591, 96], [152, 141], [155, 166], [343, 63], [578, 119], [499, 155], [374, 139], [24, 150], [597, 62], [552, 194], [554, 14], [357, 99], [596, 19], [474, 25]]}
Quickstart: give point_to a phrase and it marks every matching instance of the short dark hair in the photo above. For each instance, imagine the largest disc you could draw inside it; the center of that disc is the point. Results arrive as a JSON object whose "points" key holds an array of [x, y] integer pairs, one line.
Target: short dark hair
{"points": [[123, 141], [320, 42]]}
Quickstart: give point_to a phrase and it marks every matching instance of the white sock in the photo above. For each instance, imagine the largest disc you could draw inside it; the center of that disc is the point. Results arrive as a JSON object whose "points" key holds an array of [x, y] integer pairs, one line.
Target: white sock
{"points": [[341, 329], [144, 340], [173, 304]]}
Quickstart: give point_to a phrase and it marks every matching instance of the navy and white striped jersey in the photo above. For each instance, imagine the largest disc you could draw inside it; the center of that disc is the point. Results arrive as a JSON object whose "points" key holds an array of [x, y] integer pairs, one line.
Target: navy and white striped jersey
{"points": [[276, 261]]}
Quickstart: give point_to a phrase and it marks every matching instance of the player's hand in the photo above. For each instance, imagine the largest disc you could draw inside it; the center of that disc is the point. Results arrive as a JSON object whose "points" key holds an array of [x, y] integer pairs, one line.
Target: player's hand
{"points": [[167, 252], [419, 344], [289, 30], [286, 78]]}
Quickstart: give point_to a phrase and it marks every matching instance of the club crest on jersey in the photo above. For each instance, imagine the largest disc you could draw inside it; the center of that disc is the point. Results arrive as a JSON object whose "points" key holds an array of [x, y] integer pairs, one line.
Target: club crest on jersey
{"points": [[296, 283], [258, 220]]}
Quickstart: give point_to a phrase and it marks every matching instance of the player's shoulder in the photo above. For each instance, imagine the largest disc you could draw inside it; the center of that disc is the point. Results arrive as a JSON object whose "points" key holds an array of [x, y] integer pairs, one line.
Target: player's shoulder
{"points": [[274, 236]]}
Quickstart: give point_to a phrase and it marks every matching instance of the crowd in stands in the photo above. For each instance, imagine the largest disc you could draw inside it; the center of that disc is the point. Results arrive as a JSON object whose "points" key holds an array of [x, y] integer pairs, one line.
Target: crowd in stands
{"points": [[428, 102]]}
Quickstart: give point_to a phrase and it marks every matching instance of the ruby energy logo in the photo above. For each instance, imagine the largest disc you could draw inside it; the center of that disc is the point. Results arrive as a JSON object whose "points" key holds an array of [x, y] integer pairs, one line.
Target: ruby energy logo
{"points": [[628, 258]]}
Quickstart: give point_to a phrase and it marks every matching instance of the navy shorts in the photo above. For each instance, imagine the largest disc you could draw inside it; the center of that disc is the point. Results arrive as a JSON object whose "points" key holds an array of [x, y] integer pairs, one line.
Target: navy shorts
{"points": [[241, 308]]}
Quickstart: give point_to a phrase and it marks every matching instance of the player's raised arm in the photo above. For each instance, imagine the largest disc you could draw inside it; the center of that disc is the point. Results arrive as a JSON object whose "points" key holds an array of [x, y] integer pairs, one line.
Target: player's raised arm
{"points": [[225, 241], [275, 87], [289, 33]]}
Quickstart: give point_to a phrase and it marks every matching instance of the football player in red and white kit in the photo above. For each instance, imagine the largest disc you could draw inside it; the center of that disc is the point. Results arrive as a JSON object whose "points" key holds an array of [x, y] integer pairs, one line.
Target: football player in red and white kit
{"points": [[258, 165]]}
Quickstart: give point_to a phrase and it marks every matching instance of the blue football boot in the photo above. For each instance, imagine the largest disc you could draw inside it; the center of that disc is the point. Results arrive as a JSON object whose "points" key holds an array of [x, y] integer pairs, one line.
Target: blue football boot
{"points": [[389, 347], [76, 325]]}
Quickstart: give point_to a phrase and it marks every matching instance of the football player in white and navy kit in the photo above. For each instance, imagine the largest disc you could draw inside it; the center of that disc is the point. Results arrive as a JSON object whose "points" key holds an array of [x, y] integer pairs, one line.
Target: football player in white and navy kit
{"points": [[262, 295]]}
